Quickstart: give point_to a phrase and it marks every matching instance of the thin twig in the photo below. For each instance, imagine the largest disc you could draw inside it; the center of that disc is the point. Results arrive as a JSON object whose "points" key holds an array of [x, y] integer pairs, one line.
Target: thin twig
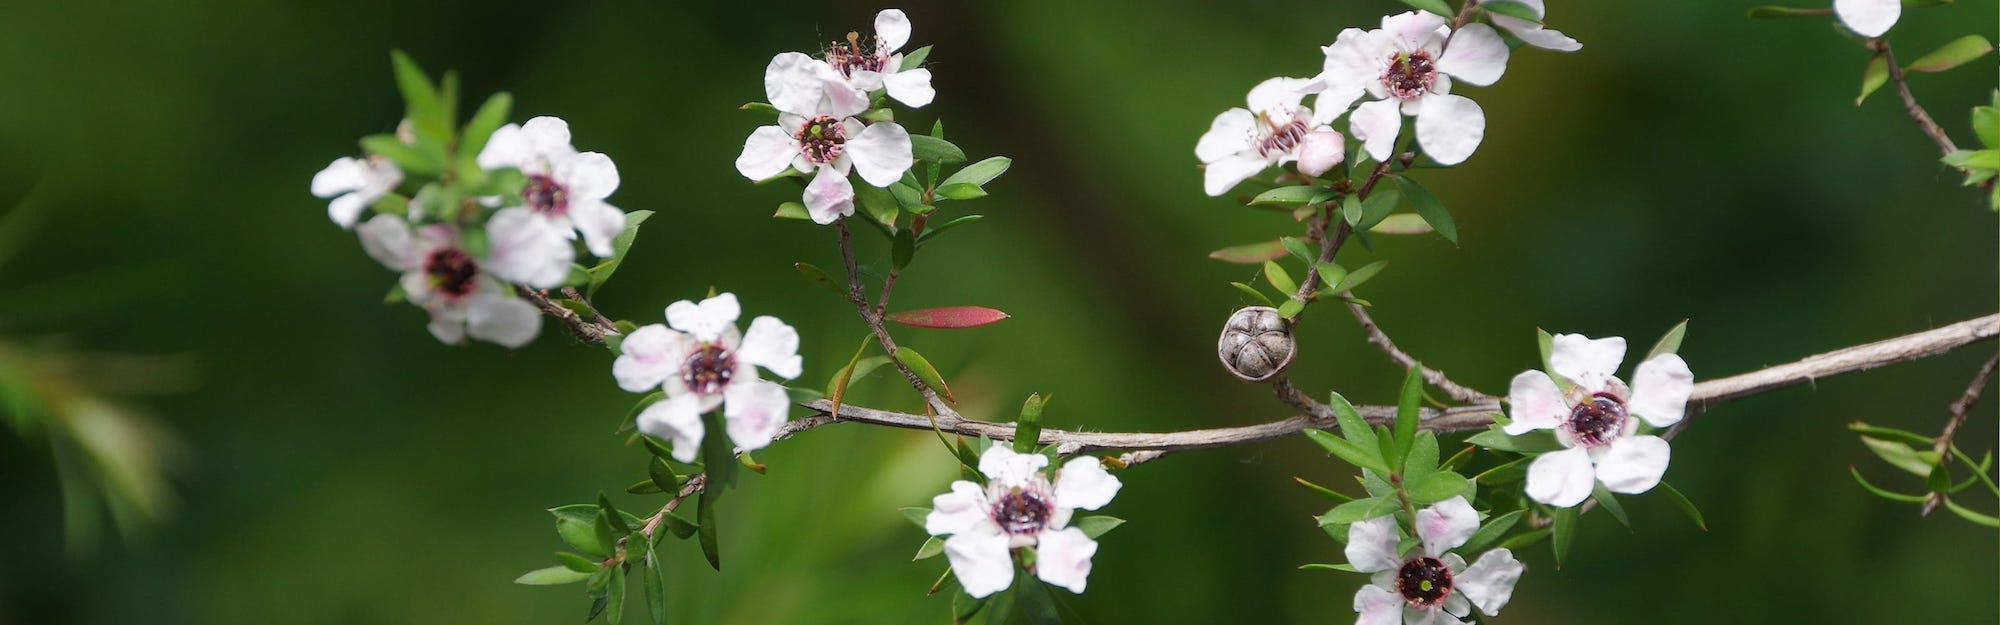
{"points": [[586, 330], [1432, 376], [1959, 408], [1924, 122], [874, 322]]}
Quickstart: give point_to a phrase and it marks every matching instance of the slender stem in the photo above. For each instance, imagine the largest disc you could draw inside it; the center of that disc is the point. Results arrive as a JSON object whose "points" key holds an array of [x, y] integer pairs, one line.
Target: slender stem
{"points": [[1922, 118], [1964, 405], [873, 319], [1432, 376]]}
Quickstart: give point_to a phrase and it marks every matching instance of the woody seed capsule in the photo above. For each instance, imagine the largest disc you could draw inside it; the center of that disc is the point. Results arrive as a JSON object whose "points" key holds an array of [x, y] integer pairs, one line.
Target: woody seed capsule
{"points": [[1256, 344]]}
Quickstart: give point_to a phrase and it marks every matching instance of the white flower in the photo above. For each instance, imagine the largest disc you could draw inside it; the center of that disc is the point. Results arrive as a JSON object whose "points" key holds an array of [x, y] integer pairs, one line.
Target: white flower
{"points": [[353, 184], [817, 134], [1275, 130], [1868, 18], [1533, 33], [565, 188], [463, 293], [1407, 66], [1414, 589], [1020, 507], [1593, 421], [865, 68], [703, 363]]}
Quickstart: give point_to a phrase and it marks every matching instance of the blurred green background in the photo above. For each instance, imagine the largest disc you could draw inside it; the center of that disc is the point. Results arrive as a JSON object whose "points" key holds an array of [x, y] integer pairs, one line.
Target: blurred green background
{"points": [[343, 467]]}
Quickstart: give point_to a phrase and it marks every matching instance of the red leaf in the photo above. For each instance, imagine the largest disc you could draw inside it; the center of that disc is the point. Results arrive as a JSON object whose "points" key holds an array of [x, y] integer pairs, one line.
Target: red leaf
{"points": [[1250, 254], [948, 317]]}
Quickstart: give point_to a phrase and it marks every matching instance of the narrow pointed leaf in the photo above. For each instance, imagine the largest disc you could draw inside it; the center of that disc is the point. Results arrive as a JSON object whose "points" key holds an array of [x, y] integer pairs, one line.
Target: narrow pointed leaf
{"points": [[1958, 52], [1250, 253], [949, 317]]}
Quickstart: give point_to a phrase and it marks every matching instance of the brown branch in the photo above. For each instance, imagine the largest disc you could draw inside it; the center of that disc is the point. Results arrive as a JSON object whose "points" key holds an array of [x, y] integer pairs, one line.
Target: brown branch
{"points": [[1432, 376], [586, 330], [1917, 114], [873, 319], [1959, 408]]}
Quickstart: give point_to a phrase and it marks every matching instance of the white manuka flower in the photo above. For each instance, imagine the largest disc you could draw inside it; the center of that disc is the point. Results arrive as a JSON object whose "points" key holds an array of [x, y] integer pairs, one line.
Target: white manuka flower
{"points": [[703, 363], [565, 188], [467, 294], [1533, 33], [1020, 507], [1593, 420], [1275, 130], [865, 68], [1408, 65], [353, 184], [1868, 18], [818, 134], [1428, 586]]}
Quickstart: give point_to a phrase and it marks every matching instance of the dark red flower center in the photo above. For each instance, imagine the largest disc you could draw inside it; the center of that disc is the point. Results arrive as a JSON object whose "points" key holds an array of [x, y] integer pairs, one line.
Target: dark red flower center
{"points": [[546, 196], [452, 272], [1424, 582], [708, 369], [850, 56], [1283, 138], [1021, 512], [823, 139], [1597, 420], [1410, 74]]}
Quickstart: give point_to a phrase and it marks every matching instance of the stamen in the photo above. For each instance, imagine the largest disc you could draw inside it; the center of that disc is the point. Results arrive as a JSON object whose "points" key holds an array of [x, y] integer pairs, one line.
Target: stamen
{"points": [[1424, 582], [1597, 420], [709, 369], [1021, 511], [1410, 74], [822, 140], [452, 272], [546, 196]]}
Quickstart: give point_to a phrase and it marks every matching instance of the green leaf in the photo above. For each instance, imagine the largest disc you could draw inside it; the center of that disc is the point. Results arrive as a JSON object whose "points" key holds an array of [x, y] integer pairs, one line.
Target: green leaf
{"points": [[1423, 459], [1958, 52], [1095, 526], [656, 591], [1327, 493], [1609, 503], [1407, 410], [792, 210], [1377, 207], [1687, 507], [1251, 253], [1670, 342], [1899, 455], [1352, 426], [1433, 6], [1279, 279], [1298, 248], [1939, 481], [705, 527], [1352, 210], [1439, 486], [409, 158], [1883, 493], [619, 246], [1535, 442], [1028, 428], [1349, 452], [428, 110], [1524, 539], [1429, 208], [964, 607], [1969, 515], [877, 203], [718, 459], [980, 173], [551, 576], [1546, 343], [1403, 223], [1490, 531], [577, 563], [935, 150], [836, 386], [1973, 159], [1360, 510], [1510, 9], [1345, 568], [1293, 196], [1565, 533], [1986, 124], [932, 547], [820, 277], [941, 228], [758, 107], [915, 58], [644, 487], [903, 249], [916, 514], [680, 526], [577, 525], [1252, 291], [1291, 308], [1873, 76], [1504, 473], [616, 599], [611, 515], [1032, 601], [1358, 276], [490, 116], [922, 367], [1776, 12], [960, 191]]}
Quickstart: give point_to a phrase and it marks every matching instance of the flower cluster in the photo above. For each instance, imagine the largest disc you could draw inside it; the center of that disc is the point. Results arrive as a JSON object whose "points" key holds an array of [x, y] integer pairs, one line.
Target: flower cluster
{"points": [[1427, 584], [825, 128], [703, 363], [1591, 412], [1019, 507], [1406, 68]]}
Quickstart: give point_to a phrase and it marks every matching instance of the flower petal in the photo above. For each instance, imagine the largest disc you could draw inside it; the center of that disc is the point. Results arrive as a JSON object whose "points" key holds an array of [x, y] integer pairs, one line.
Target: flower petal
{"points": [[1378, 606], [958, 511], [528, 249], [911, 86], [1489, 582], [548, 137], [1450, 128], [1633, 464], [1320, 151], [388, 240], [793, 83], [1868, 18], [600, 224], [881, 153], [1062, 558], [772, 345], [1476, 55], [1561, 478], [754, 411], [589, 175], [1376, 124], [981, 562], [676, 420], [1008, 468], [1279, 94], [894, 29], [647, 357], [506, 147], [766, 153], [502, 319], [1354, 61], [344, 174], [1231, 132], [1536, 35], [1585, 362], [1411, 29], [1222, 175], [1534, 404], [447, 322], [829, 196], [1371, 545], [706, 321], [1446, 525], [1660, 390], [1083, 483]]}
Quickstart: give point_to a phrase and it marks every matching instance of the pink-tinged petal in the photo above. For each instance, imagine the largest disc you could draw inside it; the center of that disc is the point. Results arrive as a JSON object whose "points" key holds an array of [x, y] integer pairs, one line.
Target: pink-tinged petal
{"points": [[1062, 558], [1446, 525], [1279, 94], [1633, 464], [1376, 124], [1411, 29], [1585, 362], [1476, 55], [1354, 61], [881, 153], [981, 561], [754, 411], [1082, 483], [1534, 404], [949, 317], [1378, 606], [1660, 390], [508, 146], [647, 357], [911, 86], [767, 153], [1489, 582], [771, 344], [548, 137], [1008, 468], [1868, 18], [676, 420], [1450, 128], [1231, 132], [388, 240], [1427, 616], [1221, 176], [502, 319], [1535, 35], [794, 84], [1320, 151], [447, 322], [893, 27], [1561, 478], [589, 175], [1371, 545], [706, 321], [829, 196], [959, 511], [528, 249], [600, 224]]}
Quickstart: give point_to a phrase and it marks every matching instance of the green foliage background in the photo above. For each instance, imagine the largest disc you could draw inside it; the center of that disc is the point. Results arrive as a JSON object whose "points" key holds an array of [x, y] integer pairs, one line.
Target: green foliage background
{"points": [[1687, 163]]}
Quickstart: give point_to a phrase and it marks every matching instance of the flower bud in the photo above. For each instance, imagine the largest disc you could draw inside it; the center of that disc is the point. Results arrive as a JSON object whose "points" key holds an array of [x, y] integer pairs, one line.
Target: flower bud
{"points": [[1256, 344]]}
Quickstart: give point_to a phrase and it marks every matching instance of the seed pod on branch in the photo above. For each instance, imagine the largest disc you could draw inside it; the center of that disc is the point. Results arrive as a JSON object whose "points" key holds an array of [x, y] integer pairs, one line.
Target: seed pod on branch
{"points": [[1256, 344]]}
